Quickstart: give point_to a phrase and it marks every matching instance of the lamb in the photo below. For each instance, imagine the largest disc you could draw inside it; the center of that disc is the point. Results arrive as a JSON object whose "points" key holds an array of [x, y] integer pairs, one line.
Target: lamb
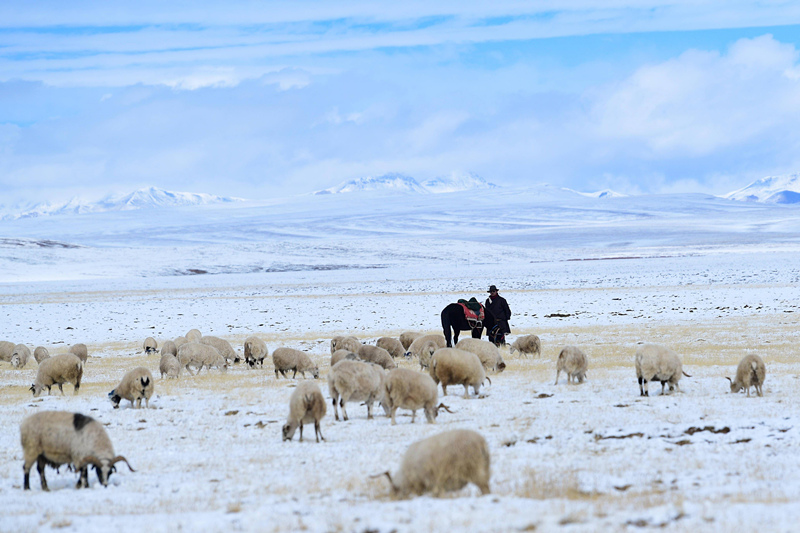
{"points": [[169, 348], [407, 337], [57, 370], [345, 343], [423, 347], [527, 344], [573, 362], [486, 351], [411, 390], [150, 345], [80, 350], [200, 355], [379, 356], [442, 463], [40, 354], [306, 405], [136, 384], [751, 372], [452, 366], [223, 347], [169, 366], [657, 363], [355, 381], [20, 356], [6, 350], [255, 351], [193, 335], [285, 359], [391, 345], [54, 438], [338, 355]]}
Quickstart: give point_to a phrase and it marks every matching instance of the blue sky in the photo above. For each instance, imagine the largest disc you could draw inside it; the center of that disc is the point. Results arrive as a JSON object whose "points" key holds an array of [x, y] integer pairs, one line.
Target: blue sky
{"points": [[274, 98]]}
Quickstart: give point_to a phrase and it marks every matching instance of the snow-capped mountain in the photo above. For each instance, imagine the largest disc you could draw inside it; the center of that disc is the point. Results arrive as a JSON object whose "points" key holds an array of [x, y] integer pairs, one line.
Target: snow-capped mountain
{"points": [[770, 190], [147, 198], [605, 193], [403, 183]]}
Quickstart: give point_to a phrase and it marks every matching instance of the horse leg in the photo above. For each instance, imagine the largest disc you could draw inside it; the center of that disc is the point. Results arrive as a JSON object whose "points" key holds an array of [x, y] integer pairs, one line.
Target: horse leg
{"points": [[446, 330], [477, 332]]}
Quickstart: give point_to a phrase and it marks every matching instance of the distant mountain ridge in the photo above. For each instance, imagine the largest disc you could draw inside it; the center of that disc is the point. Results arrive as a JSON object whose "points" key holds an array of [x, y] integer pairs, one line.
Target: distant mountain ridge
{"points": [[783, 189], [394, 181], [146, 198]]}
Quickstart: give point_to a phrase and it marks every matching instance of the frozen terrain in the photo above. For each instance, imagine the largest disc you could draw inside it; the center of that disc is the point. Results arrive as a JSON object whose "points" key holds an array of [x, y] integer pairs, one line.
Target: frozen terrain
{"points": [[712, 278]]}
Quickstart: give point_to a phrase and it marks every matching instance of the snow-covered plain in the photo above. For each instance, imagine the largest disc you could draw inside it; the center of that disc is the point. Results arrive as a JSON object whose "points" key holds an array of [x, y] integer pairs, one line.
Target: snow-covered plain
{"points": [[712, 278]]}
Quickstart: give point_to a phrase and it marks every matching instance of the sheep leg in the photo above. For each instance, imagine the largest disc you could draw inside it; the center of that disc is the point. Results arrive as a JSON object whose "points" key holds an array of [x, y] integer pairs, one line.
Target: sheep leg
{"points": [[369, 410], [335, 409], [40, 464], [413, 415], [26, 475], [61, 388], [301, 431], [558, 371], [466, 392], [748, 391], [394, 410], [444, 389], [342, 404], [318, 430], [295, 372]]}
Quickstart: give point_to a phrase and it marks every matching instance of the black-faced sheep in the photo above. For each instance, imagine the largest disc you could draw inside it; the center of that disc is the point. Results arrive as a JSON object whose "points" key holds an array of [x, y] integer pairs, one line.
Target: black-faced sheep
{"points": [[150, 346], [750, 373], [306, 405], [136, 385]]}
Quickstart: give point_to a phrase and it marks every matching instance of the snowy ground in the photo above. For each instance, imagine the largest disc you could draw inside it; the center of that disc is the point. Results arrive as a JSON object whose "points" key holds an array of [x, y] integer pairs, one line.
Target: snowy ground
{"points": [[592, 457]]}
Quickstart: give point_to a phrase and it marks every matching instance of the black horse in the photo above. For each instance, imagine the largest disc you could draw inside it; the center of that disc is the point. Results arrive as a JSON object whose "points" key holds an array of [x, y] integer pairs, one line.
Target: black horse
{"points": [[453, 317]]}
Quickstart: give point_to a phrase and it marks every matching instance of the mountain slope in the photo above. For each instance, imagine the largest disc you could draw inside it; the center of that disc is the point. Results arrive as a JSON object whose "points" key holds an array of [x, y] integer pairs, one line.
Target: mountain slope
{"points": [[783, 189]]}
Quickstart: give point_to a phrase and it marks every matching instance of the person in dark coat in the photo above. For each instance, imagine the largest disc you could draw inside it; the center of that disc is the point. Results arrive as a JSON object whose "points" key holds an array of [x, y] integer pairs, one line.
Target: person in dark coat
{"points": [[498, 306]]}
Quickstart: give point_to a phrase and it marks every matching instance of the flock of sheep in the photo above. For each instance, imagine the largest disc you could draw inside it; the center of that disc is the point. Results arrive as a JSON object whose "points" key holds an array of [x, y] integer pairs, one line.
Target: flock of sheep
{"points": [[362, 373]]}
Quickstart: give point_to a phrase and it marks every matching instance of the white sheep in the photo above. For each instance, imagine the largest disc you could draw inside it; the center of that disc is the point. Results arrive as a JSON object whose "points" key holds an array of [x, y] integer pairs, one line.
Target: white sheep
{"points": [[169, 348], [391, 345], [20, 356], [40, 354], [451, 366], [345, 343], [423, 347], [527, 344], [306, 405], [750, 373], [169, 366], [355, 381], [150, 346], [57, 370], [80, 350], [180, 341], [657, 363], [255, 351], [408, 389], [573, 362], [136, 384], [6, 350], [223, 347], [285, 359], [486, 351], [338, 355], [54, 438], [200, 355], [407, 337], [193, 335], [374, 354], [442, 463]]}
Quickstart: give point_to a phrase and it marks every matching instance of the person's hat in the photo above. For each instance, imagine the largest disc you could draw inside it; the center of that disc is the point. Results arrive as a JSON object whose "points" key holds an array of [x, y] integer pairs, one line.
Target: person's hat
{"points": [[492, 288]]}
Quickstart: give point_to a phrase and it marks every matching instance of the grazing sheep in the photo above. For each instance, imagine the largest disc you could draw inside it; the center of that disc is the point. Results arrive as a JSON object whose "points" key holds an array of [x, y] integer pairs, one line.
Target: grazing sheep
{"points": [[423, 347], [407, 337], [750, 373], [573, 362], [442, 463], [527, 344], [486, 351], [180, 341], [200, 355], [223, 347], [40, 354], [657, 363], [338, 355], [306, 405], [285, 359], [20, 356], [54, 438], [80, 350], [6, 350], [255, 351], [150, 346], [411, 390], [169, 366], [170, 348], [345, 343], [193, 335], [391, 345], [452, 366], [379, 356], [355, 381], [57, 370], [136, 384]]}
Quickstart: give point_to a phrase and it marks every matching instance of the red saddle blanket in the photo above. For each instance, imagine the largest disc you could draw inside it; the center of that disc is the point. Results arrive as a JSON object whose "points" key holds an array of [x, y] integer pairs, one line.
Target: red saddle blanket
{"points": [[472, 316]]}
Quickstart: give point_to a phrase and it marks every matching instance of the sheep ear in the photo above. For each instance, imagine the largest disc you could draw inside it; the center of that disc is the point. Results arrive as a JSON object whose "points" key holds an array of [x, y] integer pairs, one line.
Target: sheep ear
{"points": [[119, 458]]}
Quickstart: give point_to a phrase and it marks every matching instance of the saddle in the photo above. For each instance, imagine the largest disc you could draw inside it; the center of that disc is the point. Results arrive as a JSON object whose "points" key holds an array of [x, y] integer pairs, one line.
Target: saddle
{"points": [[473, 312]]}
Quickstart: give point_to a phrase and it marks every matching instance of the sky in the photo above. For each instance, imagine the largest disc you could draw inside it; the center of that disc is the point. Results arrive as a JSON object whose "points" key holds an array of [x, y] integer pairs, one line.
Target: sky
{"points": [[262, 99]]}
